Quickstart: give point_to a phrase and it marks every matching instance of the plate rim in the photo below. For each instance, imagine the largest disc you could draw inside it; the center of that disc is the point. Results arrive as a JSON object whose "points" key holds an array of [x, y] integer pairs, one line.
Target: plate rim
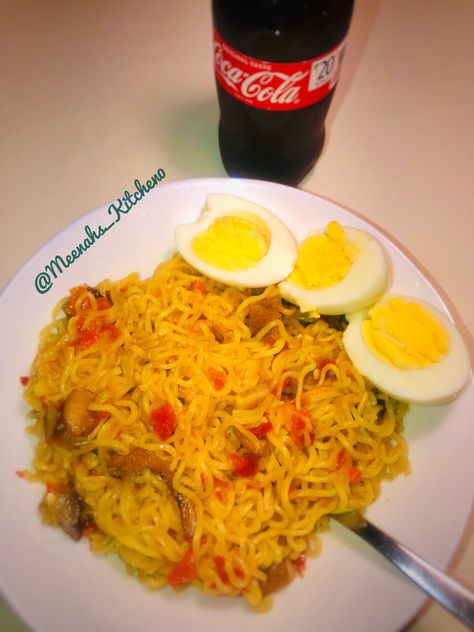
{"points": [[237, 183]]}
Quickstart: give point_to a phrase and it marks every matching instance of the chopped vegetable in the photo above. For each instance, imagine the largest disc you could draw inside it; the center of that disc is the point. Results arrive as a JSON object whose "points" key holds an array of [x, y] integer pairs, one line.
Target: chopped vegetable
{"points": [[251, 444], [74, 294], [163, 421], [244, 465], [89, 528], [344, 460], [187, 512], [219, 484], [198, 285], [300, 564], [77, 418], [261, 313], [62, 507], [86, 336], [262, 429], [341, 458], [239, 572], [219, 562], [298, 426], [137, 460], [278, 576], [336, 322], [219, 495], [218, 378], [184, 571], [103, 303], [354, 474]]}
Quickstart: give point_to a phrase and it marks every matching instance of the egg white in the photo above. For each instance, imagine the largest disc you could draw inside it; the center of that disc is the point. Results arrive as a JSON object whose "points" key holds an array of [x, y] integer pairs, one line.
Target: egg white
{"points": [[434, 384], [275, 265], [363, 284]]}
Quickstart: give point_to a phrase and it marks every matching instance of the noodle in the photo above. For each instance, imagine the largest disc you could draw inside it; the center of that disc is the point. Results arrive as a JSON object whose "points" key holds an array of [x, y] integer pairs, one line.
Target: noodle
{"points": [[216, 451]]}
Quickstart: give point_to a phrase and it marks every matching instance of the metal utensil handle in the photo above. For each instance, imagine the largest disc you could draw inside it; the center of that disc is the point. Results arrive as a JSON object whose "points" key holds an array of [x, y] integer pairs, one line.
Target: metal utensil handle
{"points": [[447, 592]]}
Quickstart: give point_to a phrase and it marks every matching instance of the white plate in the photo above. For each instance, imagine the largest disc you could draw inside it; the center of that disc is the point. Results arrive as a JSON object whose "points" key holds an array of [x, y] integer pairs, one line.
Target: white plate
{"points": [[55, 584]]}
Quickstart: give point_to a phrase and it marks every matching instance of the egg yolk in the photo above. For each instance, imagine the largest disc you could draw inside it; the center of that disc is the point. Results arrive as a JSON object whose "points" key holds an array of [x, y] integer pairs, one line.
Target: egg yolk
{"points": [[232, 243], [404, 334], [324, 260]]}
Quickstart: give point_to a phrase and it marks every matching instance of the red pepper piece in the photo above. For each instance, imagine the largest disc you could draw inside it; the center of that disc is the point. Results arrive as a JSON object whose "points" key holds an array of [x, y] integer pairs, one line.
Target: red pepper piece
{"points": [[354, 474], [103, 303], [239, 573], [298, 425], [24, 379], [341, 458], [244, 465], [218, 482], [52, 487], [219, 561], [198, 285], [218, 378], [86, 336], [300, 564], [184, 571], [163, 421], [262, 429], [74, 294], [89, 528]]}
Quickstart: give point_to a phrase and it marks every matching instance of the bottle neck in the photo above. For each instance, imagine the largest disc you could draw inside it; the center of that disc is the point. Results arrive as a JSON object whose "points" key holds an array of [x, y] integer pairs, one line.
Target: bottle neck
{"points": [[283, 30]]}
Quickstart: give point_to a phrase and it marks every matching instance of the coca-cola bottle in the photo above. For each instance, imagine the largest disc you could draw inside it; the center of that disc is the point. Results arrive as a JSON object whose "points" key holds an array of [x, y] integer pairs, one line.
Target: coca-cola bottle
{"points": [[276, 63]]}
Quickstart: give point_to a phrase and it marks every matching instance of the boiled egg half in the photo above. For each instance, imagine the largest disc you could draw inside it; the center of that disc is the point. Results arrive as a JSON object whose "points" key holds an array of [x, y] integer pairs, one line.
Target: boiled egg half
{"points": [[237, 242], [338, 270], [409, 349]]}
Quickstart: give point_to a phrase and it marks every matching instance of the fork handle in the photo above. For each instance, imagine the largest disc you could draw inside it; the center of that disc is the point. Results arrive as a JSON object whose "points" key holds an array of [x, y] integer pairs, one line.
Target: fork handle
{"points": [[441, 588]]}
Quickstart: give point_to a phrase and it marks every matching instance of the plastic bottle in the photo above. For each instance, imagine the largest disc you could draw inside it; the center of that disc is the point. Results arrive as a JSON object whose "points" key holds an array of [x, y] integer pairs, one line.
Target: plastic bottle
{"points": [[276, 64]]}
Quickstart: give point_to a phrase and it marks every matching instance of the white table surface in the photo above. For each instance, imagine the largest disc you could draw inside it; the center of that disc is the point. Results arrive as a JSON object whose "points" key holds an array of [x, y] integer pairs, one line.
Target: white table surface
{"points": [[97, 93]]}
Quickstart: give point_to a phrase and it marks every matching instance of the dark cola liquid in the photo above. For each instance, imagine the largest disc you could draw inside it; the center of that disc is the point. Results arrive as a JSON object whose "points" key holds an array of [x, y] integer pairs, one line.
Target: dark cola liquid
{"points": [[281, 146]]}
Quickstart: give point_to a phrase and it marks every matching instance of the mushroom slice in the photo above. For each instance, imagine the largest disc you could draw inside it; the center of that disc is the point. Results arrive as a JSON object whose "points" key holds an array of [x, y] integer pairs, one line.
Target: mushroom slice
{"points": [[278, 576], [77, 418], [63, 508], [251, 444], [261, 313], [139, 459], [187, 512]]}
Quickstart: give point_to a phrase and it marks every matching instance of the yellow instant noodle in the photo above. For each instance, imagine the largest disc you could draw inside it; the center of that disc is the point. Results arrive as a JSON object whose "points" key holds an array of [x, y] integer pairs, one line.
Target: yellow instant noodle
{"points": [[183, 341]]}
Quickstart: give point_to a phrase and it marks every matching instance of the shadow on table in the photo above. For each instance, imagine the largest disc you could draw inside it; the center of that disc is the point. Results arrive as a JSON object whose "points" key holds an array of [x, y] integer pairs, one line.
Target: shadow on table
{"points": [[191, 140]]}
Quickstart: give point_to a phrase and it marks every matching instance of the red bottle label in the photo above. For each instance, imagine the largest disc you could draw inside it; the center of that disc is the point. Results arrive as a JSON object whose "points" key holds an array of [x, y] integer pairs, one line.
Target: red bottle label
{"points": [[276, 86]]}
